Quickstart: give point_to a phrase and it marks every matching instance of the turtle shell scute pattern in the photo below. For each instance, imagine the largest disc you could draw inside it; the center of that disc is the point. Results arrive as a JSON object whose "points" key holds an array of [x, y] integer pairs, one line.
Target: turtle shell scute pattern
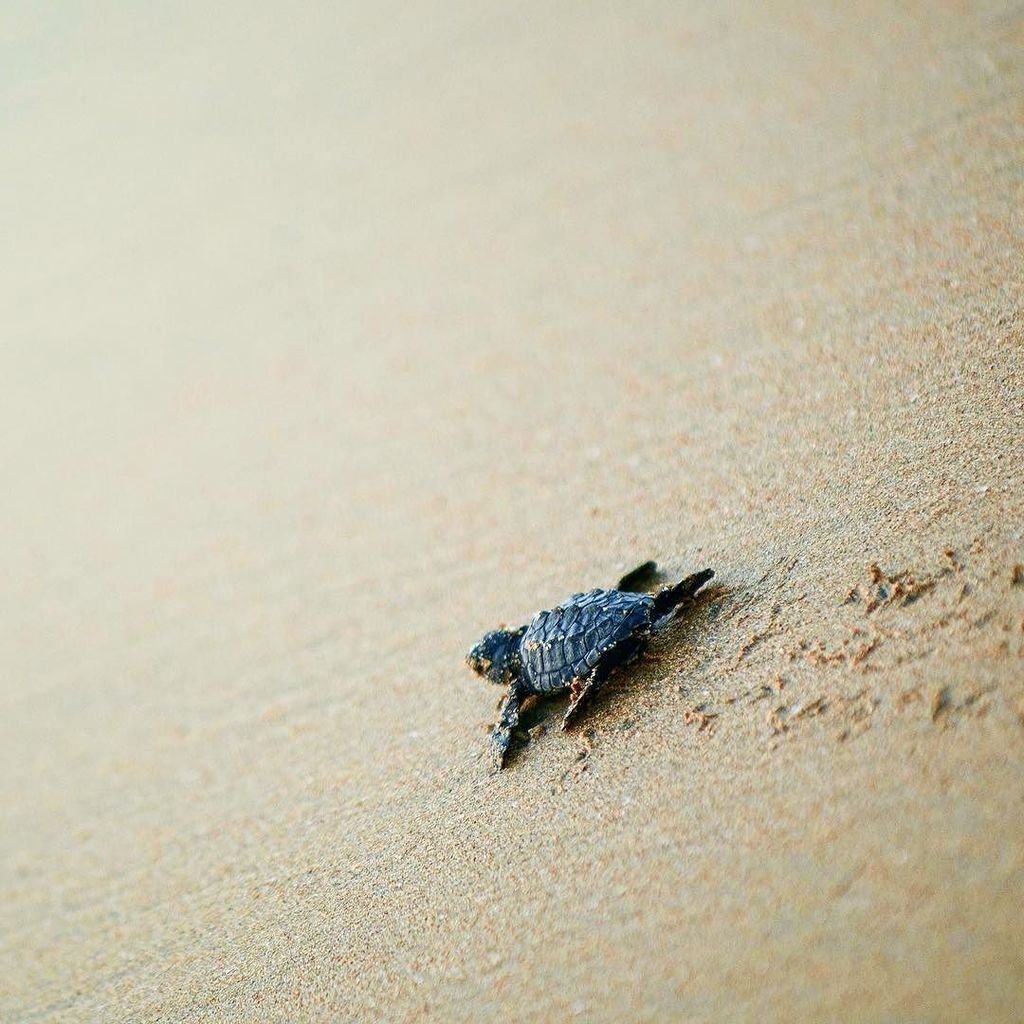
{"points": [[567, 642]]}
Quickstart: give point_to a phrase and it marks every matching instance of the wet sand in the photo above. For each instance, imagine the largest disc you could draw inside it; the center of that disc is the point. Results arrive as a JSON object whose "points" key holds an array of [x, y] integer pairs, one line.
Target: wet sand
{"points": [[335, 337]]}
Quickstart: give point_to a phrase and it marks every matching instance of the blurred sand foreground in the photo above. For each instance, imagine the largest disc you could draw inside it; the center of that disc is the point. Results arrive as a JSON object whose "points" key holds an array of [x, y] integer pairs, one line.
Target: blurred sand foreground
{"points": [[333, 336]]}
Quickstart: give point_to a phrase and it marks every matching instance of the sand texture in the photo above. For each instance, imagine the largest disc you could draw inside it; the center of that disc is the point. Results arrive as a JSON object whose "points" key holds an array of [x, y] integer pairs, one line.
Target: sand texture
{"points": [[336, 334]]}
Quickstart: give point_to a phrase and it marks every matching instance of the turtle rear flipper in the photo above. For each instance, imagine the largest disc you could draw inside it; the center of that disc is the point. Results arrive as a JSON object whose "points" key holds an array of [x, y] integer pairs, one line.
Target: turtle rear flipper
{"points": [[582, 694], [666, 601], [584, 690]]}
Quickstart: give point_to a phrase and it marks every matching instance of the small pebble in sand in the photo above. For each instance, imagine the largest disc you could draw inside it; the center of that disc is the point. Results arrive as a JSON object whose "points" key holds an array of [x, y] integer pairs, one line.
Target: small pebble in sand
{"points": [[941, 702]]}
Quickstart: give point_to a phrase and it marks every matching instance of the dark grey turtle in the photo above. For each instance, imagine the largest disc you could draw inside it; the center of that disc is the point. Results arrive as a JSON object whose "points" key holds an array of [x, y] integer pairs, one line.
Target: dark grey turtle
{"points": [[575, 646]]}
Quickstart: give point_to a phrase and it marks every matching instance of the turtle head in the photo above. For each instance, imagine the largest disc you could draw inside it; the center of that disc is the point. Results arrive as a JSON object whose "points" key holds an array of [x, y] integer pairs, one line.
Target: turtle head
{"points": [[496, 657]]}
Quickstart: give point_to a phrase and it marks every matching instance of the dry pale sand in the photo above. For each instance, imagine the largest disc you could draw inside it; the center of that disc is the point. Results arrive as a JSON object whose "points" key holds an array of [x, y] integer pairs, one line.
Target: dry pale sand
{"points": [[334, 335]]}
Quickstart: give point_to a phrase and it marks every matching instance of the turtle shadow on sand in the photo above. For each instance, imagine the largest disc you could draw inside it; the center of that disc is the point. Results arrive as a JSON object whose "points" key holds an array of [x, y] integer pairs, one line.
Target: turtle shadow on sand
{"points": [[576, 647]]}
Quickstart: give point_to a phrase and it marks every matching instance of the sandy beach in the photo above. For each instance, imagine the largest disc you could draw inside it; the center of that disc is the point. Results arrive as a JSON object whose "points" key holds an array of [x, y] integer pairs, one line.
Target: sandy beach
{"points": [[336, 336]]}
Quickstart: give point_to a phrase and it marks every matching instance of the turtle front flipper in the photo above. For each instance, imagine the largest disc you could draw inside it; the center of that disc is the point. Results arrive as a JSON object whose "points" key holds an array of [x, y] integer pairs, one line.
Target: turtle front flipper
{"points": [[501, 736]]}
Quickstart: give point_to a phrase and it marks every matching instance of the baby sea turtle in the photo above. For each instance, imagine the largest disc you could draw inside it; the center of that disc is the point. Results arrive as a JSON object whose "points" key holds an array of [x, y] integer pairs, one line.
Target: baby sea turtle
{"points": [[575, 646]]}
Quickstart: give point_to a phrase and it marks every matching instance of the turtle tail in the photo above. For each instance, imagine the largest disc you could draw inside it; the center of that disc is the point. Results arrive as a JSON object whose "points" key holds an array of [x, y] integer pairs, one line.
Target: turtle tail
{"points": [[668, 600]]}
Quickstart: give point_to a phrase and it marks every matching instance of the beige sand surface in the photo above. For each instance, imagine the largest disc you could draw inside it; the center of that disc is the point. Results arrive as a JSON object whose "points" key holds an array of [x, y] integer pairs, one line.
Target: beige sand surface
{"points": [[333, 335]]}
